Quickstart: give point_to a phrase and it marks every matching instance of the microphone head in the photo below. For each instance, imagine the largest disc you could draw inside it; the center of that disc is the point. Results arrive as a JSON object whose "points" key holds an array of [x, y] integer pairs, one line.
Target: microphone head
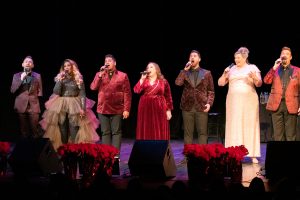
{"points": [[188, 64], [145, 72], [231, 65], [104, 67]]}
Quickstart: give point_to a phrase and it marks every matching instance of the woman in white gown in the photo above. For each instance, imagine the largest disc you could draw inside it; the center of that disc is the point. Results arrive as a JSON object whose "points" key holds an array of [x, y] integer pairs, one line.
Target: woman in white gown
{"points": [[242, 104]]}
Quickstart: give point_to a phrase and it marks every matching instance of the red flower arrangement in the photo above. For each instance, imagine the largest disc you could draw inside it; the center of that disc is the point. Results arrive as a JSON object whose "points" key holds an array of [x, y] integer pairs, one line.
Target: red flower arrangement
{"points": [[215, 160], [92, 159], [4, 151], [4, 148]]}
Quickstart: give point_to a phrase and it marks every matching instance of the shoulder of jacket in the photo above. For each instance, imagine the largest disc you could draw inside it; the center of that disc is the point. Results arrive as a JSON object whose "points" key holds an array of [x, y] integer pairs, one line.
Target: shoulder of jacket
{"points": [[206, 71], [120, 72], [36, 74]]}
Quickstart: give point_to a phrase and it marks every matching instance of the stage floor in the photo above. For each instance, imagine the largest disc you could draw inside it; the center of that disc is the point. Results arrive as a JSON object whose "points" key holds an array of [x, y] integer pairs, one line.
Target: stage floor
{"points": [[250, 170]]}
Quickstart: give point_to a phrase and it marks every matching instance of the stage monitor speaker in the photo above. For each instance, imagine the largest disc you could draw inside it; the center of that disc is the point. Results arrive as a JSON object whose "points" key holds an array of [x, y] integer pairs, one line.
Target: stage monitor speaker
{"points": [[152, 159], [34, 157], [282, 160]]}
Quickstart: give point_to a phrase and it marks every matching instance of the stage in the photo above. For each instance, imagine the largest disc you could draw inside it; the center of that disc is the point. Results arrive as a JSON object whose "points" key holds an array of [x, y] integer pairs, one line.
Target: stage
{"points": [[120, 181], [250, 170]]}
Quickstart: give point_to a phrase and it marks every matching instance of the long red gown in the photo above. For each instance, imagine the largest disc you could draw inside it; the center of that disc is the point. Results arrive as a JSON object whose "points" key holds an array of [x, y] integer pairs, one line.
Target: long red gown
{"points": [[155, 100]]}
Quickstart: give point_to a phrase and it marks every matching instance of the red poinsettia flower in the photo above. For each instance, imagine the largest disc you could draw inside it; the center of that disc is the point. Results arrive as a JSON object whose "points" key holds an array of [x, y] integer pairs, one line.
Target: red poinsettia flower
{"points": [[218, 160], [4, 147], [92, 158]]}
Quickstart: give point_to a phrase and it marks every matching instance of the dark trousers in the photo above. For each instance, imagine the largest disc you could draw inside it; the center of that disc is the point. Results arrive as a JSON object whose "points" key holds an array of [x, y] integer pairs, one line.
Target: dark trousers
{"points": [[284, 124], [68, 131], [29, 124], [111, 129], [192, 120]]}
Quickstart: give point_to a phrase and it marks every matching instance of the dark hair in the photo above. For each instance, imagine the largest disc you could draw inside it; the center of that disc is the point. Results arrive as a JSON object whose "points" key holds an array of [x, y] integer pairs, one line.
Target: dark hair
{"points": [[110, 56], [30, 57], [197, 52]]}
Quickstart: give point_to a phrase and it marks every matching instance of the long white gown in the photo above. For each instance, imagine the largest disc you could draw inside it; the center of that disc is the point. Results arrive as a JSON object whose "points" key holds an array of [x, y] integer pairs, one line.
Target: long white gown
{"points": [[242, 111]]}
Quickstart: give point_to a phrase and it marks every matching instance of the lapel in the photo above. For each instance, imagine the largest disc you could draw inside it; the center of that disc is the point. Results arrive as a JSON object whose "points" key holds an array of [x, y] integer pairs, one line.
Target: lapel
{"points": [[291, 71], [113, 78], [191, 78], [32, 79], [200, 76]]}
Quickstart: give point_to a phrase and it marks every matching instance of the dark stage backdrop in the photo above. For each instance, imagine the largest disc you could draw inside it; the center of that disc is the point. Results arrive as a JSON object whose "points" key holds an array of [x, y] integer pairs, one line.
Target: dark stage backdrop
{"points": [[137, 33]]}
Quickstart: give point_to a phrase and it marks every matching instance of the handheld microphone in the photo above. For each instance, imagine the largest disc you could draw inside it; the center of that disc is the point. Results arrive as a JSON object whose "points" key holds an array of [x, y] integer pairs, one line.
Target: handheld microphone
{"points": [[278, 61], [188, 64], [144, 72], [231, 65], [63, 74], [104, 67]]}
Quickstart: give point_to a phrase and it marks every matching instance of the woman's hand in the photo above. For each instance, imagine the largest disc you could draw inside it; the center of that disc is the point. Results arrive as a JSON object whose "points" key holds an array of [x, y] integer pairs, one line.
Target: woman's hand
{"points": [[169, 114]]}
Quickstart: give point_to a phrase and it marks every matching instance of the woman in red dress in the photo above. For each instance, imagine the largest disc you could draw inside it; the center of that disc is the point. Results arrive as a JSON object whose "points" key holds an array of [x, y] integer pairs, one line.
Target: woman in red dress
{"points": [[155, 105]]}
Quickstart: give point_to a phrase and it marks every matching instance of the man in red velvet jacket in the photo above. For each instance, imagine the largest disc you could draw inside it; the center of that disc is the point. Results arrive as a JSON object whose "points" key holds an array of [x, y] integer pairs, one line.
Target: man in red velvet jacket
{"points": [[114, 100], [284, 97], [197, 98], [27, 87]]}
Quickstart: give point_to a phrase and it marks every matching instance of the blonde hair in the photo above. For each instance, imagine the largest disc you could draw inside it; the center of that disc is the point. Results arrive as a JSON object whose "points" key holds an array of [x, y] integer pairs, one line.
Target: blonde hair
{"points": [[287, 49], [75, 74]]}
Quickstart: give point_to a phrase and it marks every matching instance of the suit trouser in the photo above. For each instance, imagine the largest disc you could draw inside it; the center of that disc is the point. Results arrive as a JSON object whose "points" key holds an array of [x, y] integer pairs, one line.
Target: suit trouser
{"points": [[68, 131], [284, 124], [111, 129], [192, 120], [29, 124]]}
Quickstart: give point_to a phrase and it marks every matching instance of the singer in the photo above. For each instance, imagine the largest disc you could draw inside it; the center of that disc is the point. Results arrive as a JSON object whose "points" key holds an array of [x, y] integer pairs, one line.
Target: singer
{"points": [[197, 98], [284, 98], [27, 86], [242, 106], [114, 101], [68, 117], [155, 105]]}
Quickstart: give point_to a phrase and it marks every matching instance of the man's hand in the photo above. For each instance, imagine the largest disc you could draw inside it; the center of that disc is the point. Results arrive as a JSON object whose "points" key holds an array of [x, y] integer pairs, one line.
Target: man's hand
{"points": [[23, 76], [207, 108], [125, 114]]}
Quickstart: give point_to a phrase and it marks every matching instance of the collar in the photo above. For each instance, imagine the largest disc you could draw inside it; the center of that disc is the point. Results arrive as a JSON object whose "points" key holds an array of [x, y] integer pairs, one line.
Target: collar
{"points": [[111, 72], [195, 70], [287, 67]]}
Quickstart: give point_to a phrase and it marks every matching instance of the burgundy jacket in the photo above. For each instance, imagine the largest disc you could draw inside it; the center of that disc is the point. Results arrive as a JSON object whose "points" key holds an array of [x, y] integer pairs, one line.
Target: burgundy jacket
{"points": [[30, 96], [114, 96], [196, 95], [292, 89]]}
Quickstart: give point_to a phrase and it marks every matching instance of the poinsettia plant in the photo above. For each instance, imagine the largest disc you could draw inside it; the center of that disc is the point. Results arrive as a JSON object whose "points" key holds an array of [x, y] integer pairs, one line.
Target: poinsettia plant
{"points": [[4, 147], [4, 151], [92, 159], [214, 159], [215, 150]]}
